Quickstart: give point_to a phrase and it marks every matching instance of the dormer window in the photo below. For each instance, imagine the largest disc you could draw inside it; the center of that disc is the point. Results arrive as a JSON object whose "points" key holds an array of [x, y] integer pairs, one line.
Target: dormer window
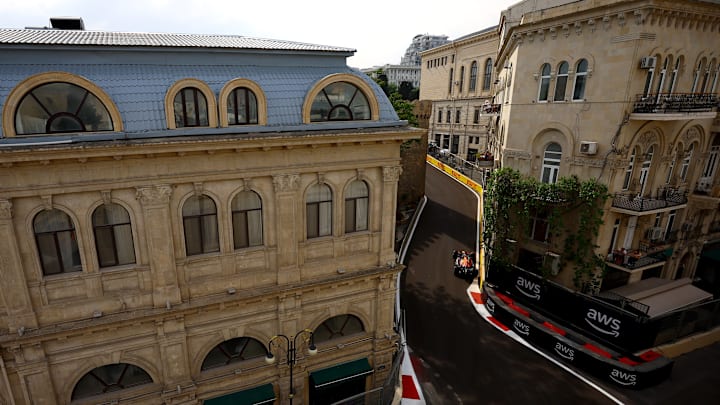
{"points": [[340, 101]]}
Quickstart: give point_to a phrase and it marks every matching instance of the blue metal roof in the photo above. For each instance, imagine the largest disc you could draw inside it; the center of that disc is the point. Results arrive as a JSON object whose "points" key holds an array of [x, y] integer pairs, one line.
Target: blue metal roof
{"points": [[137, 80]]}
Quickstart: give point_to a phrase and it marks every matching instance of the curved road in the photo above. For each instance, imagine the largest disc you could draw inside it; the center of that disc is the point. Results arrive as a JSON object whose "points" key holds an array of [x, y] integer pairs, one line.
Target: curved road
{"points": [[469, 361]]}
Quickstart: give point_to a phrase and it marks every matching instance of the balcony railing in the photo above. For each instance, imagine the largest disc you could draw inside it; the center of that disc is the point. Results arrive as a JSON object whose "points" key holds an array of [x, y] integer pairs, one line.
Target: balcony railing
{"points": [[635, 259], [664, 198], [665, 103], [490, 108]]}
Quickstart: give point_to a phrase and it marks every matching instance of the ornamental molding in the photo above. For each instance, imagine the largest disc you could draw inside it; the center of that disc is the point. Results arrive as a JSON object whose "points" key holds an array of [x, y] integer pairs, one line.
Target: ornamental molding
{"points": [[517, 154], [580, 161], [286, 182], [691, 135], [647, 139], [5, 209], [391, 173], [153, 195]]}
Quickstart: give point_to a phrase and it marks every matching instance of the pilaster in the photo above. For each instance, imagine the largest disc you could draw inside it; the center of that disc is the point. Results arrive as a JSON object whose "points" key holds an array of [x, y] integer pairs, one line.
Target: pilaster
{"points": [[391, 175], [286, 219]]}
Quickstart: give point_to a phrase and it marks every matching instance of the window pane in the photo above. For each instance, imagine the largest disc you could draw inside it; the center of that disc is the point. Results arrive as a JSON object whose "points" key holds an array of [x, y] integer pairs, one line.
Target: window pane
{"points": [[192, 236], [325, 219], [124, 244], [357, 189], [51, 220], [253, 111], [210, 233], [544, 86], [255, 234], [105, 246], [579, 92], [240, 238], [311, 213], [30, 118], [361, 214], [69, 251], [337, 100], [349, 216], [94, 115], [202, 109], [49, 256]]}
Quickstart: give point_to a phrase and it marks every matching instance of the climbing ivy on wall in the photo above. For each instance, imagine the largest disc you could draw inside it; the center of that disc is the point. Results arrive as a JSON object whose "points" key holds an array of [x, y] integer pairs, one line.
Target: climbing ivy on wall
{"points": [[573, 209]]}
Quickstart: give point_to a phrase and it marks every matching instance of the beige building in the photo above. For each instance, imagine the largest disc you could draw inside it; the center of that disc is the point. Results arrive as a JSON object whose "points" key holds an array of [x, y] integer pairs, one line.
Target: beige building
{"points": [[458, 78], [167, 216], [625, 92]]}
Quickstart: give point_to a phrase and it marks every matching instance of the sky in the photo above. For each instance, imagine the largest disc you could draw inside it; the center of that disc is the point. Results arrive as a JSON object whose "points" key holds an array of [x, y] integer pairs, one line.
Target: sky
{"points": [[379, 32]]}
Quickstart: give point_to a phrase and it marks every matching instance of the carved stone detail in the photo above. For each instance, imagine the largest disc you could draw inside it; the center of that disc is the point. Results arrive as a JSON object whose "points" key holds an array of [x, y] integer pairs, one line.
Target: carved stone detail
{"points": [[5, 209], [286, 182], [519, 154], [158, 194], [647, 139], [47, 201], [106, 196], [391, 173]]}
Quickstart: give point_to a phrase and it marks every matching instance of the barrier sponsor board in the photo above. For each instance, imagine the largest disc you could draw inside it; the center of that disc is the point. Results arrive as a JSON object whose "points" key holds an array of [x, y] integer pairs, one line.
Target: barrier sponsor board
{"points": [[455, 174], [590, 359]]}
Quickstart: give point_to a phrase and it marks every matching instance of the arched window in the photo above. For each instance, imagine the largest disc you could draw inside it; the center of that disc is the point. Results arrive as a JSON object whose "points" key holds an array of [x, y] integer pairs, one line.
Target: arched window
{"points": [[561, 82], [661, 77], [338, 327], [544, 82], [684, 168], [462, 79], [113, 235], [340, 101], [488, 74], [697, 74], [712, 160], [716, 72], [318, 207], [629, 171], [673, 76], [645, 169], [356, 207], [247, 220], [200, 225], [242, 107], [551, 163], [56, 242], [110, 378], [234, 351], [60, 107], [450, 82], [581, 72], [191, 108], [473, 76]]}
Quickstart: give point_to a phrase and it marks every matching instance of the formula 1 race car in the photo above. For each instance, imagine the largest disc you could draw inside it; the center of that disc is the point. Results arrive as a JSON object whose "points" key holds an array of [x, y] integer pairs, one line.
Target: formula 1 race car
{"points": [[464, 264]]}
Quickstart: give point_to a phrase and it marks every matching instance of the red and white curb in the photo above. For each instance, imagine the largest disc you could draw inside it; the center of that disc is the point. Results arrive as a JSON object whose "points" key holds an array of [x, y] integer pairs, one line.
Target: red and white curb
{"points": [[476, 298], [411, 392]]}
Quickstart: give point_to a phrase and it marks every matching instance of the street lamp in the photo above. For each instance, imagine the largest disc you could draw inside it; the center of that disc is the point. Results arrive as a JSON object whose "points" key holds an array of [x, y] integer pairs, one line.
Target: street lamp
{"points": [[291, 346]]}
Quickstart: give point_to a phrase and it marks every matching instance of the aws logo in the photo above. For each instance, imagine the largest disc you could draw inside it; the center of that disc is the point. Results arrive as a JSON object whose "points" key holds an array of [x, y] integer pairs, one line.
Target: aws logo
{"points": [[490, 305], [603, 323], [521, 327], [564, 351], [528, 288], [623, 378]]}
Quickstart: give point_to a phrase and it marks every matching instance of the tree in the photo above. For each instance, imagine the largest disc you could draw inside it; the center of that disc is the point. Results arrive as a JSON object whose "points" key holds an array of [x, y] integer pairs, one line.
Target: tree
{"points": [[404, 109]]}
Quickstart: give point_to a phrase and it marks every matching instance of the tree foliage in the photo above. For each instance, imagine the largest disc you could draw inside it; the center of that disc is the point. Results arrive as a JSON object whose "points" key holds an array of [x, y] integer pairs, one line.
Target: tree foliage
{"points": [[400, 98], [574, 215]]}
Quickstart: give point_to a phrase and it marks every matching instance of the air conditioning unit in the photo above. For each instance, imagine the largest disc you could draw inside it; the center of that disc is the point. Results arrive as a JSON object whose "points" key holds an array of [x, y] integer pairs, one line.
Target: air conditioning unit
{"points": [[588, 148], [647, 62], [655, 233], [552, 261]]}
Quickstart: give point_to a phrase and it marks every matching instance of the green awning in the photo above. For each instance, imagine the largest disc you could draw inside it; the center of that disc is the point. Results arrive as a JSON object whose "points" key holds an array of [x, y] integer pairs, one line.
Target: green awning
{"points": [[263, 394], [712, 254], [341, 372]]}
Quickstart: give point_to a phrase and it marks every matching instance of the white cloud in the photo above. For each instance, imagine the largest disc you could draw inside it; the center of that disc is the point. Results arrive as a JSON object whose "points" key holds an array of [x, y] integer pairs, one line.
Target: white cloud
{"points": [[380, 34]]}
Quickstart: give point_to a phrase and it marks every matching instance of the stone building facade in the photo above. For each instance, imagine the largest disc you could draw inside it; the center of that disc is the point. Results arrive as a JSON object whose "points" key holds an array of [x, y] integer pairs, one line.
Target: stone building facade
{"points": [[172, 205], [458, 78], [624, 92]]}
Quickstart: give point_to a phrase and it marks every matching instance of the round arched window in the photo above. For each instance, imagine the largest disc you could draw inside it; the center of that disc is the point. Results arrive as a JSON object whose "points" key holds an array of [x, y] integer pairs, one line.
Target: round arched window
{"points": [[340, 101], [60, 107]]}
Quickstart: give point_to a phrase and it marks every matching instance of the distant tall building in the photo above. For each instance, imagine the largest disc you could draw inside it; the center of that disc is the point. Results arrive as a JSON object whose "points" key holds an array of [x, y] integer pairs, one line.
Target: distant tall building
{"points": [[419, 44], [409, 68]]}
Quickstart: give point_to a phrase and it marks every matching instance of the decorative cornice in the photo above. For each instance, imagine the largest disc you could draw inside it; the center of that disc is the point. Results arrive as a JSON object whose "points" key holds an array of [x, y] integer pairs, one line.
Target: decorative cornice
{"points": [[286, 182], [154, 195]]}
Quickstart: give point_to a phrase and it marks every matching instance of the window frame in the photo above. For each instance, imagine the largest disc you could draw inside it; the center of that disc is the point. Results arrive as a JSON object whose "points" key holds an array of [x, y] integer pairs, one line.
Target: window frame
{"points": [[487, 75], [581, 77], [204, 89], [351, 218], [561, 81], [473, 76], [244, 213], [549, 163], [59, 253], [199, 219], [544, 85], [113, 237], [113, 383], [358, 82], [318, 207], [18, 93], [260, 98]]}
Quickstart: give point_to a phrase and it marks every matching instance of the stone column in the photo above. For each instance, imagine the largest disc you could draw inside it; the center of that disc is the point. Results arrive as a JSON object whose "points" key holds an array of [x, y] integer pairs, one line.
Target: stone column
{"points": [[14, 292], [34, 374], [159, 235], [391, 175], [172, 339], [286, 221]]}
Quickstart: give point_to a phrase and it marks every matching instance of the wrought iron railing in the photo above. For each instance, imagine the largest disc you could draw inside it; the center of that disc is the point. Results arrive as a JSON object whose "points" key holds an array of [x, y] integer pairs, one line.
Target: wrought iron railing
{"points": [[665, 103], [636, 259], [664, 198]]}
